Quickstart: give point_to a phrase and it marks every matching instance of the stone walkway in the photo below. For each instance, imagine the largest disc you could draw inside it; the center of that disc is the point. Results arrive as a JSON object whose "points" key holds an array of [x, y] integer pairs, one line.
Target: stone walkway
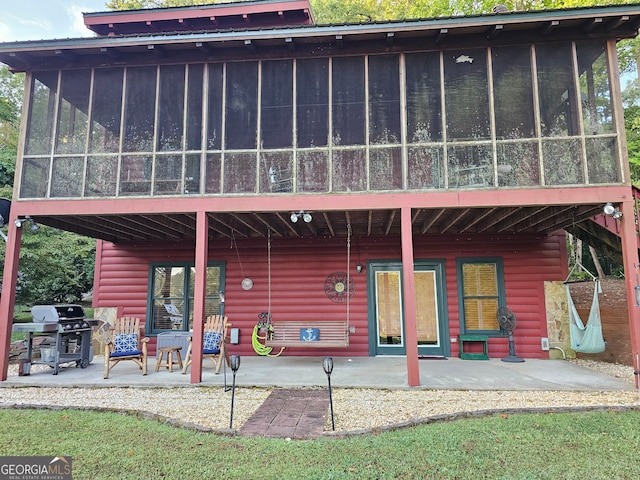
{"points": [[289, 413]]}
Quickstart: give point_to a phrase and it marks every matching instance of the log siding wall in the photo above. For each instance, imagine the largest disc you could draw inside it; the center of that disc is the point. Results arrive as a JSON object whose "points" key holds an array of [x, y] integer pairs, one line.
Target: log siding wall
{"points": [[299, 268]]}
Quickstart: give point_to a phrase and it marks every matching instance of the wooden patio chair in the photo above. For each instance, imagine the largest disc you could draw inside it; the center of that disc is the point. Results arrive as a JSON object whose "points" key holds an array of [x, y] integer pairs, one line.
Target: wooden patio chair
{"points": [[213, 344], [125, 343]]}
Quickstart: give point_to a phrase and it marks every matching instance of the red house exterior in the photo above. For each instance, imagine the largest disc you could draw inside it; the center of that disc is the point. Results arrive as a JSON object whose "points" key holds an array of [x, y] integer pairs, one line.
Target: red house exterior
{"points": [[401, 179]]}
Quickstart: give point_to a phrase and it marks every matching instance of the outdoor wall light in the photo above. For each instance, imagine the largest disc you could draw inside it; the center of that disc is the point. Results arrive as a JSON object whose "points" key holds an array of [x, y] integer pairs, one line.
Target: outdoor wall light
{"points": [[20, 221], [327, 365], [306, 216], [612, 211], [359, 268]]}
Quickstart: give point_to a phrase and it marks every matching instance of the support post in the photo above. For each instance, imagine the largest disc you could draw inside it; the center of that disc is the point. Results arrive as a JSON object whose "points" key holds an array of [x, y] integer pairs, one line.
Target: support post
{"points": [[8, 296], [199, 294], [629, 237], [409, 298]]}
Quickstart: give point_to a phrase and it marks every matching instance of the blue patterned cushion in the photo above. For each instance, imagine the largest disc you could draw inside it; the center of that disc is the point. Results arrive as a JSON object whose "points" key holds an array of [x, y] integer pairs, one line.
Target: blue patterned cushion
{"points": [[125, 343], [211, 342]]}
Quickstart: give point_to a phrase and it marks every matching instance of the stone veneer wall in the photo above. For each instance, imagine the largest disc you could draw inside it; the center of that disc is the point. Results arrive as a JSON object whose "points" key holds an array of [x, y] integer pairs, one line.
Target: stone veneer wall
{"points": [[557, 309]]}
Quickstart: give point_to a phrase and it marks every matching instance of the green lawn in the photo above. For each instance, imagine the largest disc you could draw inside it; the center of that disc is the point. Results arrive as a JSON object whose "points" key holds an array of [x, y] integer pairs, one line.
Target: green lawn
{"points": [[590, 445]]}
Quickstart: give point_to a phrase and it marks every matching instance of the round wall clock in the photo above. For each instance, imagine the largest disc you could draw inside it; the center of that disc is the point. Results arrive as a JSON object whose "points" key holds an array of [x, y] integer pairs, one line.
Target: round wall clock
{"points": [[335, 286], [247, 284]]}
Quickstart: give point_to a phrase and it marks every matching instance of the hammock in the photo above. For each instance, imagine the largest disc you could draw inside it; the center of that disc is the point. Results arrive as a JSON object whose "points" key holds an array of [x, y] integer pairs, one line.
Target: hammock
{"points": [[586, 338]]}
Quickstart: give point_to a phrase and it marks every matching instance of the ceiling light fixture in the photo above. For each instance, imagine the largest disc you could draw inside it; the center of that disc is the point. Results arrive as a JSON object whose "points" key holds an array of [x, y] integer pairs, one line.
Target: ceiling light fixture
{"points": [[306, 216], [612, 211]]}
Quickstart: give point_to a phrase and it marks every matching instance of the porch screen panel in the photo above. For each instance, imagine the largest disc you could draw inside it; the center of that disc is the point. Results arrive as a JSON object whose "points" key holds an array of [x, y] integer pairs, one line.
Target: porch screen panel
{"points": [[73, 111], [313, 171], [168, 175], [242, 105], [44, 92], [594, 87], [139, 114], [135, 175], [348, 89], [424, 104], [214, 106], [192, 173], [384, 99], [276, 172], [312, 102], [518, 164], [513, 92], [556, 90], [195, 84], [171, 108], [276, 111], [480, 292], [425, 167], [240, 173], [385, 168], [562, 162], [466, 94], [66, 179], [470, 166], [597, 113], [35, 177], [102, 173], [602, 161], [106, 111], [349, 172], [213, 174]]}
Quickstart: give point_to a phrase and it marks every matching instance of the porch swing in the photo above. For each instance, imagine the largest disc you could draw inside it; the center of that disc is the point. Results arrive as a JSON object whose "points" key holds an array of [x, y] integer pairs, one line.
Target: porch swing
{"points": [[585, 338], [308, 333]]}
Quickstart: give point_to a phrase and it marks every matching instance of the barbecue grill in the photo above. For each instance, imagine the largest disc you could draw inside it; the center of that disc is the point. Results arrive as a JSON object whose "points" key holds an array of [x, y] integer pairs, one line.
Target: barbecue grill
{"points": [[72, 333]]}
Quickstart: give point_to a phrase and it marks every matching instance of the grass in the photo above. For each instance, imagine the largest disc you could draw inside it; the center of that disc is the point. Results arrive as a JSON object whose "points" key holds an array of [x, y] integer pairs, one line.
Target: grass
{"points": [[593, 445]]}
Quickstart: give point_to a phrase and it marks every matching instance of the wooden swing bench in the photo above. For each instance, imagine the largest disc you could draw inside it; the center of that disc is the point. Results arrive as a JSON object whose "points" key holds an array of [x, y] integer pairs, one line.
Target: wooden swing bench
{"points": [[309, 334]]}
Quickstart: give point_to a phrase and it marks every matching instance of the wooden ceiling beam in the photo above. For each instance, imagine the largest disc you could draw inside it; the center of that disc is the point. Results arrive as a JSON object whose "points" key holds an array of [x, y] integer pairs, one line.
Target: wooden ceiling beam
{"points": [[478, 219], [241, 219], [428, 223], [389, 223], [455, 220], [327, 220], [268, 224]]}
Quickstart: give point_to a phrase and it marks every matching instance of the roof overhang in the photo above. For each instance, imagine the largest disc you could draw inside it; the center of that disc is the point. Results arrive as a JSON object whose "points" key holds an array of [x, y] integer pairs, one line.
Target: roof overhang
{"points": [[615, 22], [263, 13]]}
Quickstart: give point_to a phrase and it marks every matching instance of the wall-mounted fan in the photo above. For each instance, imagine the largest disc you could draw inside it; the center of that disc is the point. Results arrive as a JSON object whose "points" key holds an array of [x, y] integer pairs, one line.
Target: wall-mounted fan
{"points": [[507, 321]]}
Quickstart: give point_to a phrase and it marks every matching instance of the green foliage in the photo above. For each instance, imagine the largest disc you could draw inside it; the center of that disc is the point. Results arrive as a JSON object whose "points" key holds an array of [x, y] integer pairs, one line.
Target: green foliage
{"points": [[593, 445], [55, 266]]}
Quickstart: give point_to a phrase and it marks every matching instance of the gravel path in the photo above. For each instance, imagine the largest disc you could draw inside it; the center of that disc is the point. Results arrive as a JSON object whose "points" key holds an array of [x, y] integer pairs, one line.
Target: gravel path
{"points": [[355, 409]]}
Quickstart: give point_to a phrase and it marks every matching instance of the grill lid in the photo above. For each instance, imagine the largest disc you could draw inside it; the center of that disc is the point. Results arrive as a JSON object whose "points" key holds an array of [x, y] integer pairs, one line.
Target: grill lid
{"points": [[56, 313]]}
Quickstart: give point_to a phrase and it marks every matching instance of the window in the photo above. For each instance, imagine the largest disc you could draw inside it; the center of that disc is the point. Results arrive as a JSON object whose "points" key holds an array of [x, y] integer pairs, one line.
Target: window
{"points": [[171, 295], [481, 292]]}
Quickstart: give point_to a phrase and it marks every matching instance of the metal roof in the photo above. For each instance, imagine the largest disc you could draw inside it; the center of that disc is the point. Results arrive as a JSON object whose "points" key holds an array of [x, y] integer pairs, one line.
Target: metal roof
{"points": [[620, 21]]}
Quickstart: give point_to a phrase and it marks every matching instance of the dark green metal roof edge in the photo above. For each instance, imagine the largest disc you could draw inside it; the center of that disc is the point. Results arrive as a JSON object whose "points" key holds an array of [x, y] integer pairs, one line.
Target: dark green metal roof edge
{"points": [[309, 31]]}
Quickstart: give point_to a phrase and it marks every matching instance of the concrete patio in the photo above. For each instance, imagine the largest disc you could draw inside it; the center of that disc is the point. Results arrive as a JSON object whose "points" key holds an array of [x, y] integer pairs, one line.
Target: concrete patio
{"points": [[359, 372]]}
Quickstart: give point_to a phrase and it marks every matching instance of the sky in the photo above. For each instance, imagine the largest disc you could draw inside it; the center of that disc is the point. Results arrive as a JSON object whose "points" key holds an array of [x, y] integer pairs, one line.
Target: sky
{"points": [[45, 19]]}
